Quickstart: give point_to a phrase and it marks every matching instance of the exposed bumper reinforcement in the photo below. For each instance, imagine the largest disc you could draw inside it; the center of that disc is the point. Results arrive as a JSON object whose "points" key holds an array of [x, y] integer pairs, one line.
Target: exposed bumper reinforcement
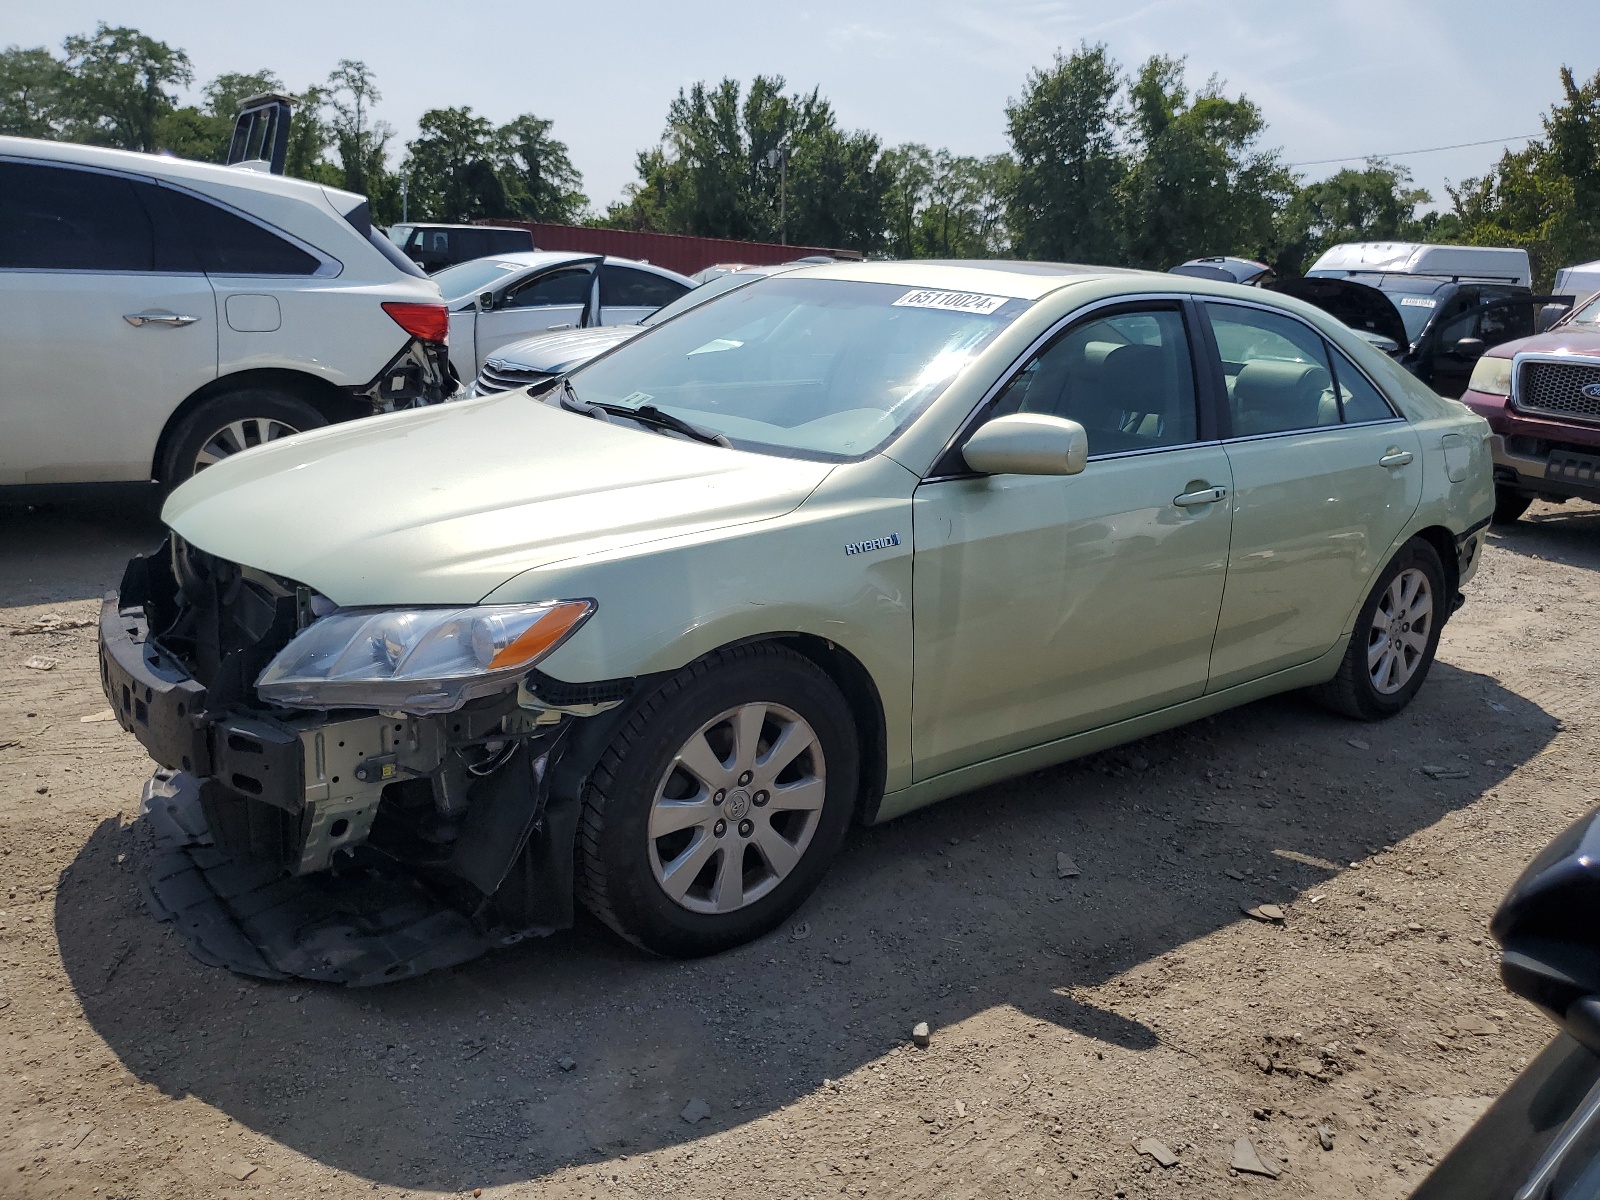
{"points": [[366, 923]]}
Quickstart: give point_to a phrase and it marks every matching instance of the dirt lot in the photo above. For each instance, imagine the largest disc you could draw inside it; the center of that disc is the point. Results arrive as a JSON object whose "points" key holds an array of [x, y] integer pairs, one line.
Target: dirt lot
{"points": [[1071, 1017]]}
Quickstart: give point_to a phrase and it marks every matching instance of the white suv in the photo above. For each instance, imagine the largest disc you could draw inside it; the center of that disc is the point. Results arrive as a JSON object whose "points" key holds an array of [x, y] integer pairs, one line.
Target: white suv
{"points": [[160, 314]]}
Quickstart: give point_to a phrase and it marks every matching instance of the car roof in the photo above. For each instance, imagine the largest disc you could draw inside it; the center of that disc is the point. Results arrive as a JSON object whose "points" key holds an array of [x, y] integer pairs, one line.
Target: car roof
{"points": [[997, 277], [549, 258], [460, 225], [175, 170]]}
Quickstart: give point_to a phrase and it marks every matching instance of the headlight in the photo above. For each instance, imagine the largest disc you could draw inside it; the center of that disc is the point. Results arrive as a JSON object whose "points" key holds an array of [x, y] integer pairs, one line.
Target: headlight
{"points": [[1492, 377], [416, 660]]}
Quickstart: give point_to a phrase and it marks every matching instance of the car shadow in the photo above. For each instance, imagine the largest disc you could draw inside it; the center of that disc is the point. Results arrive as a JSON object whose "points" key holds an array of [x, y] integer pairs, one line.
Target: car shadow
{"points": [[74, 549], [1568, 533], [578, 1047]]}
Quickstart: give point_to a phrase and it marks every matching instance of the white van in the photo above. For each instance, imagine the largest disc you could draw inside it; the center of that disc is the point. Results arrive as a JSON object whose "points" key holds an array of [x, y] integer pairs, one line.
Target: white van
{"points": [[1579, 281], [1481, 264], [161, 314]]}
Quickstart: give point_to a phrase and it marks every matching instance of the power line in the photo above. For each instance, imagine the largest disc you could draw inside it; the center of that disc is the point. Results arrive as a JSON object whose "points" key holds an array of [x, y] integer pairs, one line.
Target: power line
{"points": [[1322, 162]]}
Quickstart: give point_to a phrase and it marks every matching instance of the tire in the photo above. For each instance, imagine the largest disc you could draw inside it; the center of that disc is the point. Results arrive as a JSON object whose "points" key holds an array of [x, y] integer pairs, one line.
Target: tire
{"points": [[234, 421], [639, 884], [1388, 659], [1509, 504]]}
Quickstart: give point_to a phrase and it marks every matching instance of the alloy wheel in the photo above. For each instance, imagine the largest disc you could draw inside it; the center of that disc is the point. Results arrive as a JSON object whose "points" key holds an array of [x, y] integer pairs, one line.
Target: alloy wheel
{"points": [[240, 435], [737, 807], [1397, 641]]}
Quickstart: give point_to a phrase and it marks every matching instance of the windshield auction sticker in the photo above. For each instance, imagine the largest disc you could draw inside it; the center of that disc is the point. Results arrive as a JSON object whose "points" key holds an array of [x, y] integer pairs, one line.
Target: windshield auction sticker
{"points": [[1419, 302], [967, 302]]}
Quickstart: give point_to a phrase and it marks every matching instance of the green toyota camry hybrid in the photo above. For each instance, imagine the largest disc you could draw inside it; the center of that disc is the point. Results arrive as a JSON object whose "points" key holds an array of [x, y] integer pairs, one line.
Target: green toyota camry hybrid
{"points": [[832, 547]]}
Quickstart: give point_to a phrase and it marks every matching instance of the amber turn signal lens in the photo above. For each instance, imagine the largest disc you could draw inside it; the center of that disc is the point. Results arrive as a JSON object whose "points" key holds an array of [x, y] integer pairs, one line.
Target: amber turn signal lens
{"points": [[542, 634]]}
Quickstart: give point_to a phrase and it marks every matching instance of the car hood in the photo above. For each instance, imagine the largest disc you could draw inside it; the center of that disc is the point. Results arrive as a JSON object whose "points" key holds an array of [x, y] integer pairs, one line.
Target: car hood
{"points": [[1566, 340], [1365, 309], [442, 505], [553, 353]]}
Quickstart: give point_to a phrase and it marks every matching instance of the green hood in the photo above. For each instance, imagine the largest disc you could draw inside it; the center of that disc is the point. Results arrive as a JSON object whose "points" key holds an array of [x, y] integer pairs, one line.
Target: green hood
{"points": [[442, 505]]}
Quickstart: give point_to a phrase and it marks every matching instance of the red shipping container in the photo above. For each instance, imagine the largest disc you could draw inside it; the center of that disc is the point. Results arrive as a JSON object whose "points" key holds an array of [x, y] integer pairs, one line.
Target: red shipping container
{"points": [[675, 251]]}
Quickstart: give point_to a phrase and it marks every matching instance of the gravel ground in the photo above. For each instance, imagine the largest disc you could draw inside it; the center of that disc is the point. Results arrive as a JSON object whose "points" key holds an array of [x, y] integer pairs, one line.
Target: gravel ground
{"points": [[1071, 1017]]}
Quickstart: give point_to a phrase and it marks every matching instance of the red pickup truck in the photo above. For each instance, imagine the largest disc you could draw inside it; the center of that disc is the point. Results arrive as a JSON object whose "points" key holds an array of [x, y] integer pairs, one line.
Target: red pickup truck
{"points": [[1541, 397]]}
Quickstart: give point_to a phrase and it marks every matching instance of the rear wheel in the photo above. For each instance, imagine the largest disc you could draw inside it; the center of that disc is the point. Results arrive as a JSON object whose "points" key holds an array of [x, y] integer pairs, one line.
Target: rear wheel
{"points": [[1509, 504], [717, 807], [224, 425], [1395, 638]]}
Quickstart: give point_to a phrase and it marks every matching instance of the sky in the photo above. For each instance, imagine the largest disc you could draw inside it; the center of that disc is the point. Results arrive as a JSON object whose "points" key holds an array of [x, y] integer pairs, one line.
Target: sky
{"points": [[1333, 78]]}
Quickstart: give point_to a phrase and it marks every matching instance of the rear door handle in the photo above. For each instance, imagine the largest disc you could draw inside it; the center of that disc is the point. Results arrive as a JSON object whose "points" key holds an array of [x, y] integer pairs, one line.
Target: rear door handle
{"points": [[1395, 458], [176, 321], [1204, 496]]}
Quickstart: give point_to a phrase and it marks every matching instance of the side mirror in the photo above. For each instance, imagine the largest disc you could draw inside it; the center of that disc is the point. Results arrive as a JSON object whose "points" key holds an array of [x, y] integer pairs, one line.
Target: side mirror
{"points": [[485, 301], [1470, 347], [1549, 933], [1548, 315], [1028, 444]]}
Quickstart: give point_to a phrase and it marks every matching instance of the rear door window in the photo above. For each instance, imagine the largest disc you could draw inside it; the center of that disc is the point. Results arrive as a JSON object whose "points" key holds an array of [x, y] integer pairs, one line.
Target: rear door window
{"points": [[56, 218], [626, 287], [230, 245], [1276, 369]]}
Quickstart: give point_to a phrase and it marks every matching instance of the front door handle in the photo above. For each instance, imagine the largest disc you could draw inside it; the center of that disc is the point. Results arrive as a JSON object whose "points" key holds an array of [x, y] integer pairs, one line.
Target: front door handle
{"points": [[1396, 457], [140, 319], [1204, 496]]}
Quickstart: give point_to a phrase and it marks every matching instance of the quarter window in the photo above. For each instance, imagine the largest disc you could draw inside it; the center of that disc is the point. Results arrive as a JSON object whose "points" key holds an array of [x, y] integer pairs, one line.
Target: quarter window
{"points": [[230, 245], [1277, 371], [54, 218], [1128, 379], [569, 286], [1358, 399]]}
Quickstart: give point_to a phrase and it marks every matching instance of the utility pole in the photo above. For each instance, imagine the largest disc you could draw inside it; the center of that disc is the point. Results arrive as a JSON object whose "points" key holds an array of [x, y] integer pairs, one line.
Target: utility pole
{"points": [[403, 197], [780, 158]]}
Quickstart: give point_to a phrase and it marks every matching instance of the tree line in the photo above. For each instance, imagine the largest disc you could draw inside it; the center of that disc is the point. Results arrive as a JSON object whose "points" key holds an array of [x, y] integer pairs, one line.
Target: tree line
{"points": [[1105, 165]]}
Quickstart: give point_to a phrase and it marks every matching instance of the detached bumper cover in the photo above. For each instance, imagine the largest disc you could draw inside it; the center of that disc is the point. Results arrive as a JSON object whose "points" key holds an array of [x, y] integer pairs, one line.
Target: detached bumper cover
{"points": [[369, 923]]}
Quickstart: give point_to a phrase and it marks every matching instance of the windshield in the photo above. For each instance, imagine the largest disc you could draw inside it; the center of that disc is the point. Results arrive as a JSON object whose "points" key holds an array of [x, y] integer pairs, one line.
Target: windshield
{"points": [[465, 278], [695, 297], [1589, 314], [808, 368], [1416, 310]]}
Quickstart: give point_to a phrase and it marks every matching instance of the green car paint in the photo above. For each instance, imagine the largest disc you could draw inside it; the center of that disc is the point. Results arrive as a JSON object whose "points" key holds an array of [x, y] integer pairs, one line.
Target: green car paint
{"points": [[1006, 622]]}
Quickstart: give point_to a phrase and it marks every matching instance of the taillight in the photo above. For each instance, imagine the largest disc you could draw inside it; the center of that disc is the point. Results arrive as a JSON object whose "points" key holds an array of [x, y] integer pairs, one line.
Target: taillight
{"points": [[429, 322]]}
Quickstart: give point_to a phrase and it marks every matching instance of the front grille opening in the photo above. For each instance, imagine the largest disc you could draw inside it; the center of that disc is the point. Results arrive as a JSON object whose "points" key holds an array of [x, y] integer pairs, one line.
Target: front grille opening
{"points": [[1566, 389]]}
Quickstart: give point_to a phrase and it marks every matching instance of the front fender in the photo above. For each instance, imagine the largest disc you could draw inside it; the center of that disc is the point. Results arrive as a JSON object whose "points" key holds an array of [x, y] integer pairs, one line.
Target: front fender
{"points": [[838, 568]]}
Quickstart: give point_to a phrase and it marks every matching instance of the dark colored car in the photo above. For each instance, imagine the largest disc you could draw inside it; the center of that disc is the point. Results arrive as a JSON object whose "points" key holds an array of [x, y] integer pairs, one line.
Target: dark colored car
{"points": [[1541, 1139], [1447, 323], [435, 247], [1541, 397], [1435, 326]]}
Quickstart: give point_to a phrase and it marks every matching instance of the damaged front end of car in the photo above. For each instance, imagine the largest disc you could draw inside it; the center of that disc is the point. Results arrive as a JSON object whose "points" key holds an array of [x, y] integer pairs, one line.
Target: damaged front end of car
{"points": [[351, 795]]}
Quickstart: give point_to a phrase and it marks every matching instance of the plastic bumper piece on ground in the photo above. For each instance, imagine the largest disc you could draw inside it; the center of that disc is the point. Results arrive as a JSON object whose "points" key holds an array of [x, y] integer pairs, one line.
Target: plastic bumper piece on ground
{"points": [[369, 923]]}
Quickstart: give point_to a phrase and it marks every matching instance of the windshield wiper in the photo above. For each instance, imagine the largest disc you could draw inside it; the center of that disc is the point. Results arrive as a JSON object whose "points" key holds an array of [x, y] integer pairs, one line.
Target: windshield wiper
{"points": [[646, 414]]}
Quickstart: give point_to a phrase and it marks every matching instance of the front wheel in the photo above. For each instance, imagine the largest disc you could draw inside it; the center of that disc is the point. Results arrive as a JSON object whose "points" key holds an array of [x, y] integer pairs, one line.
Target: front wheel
{"points": [[1395, 638], [717, 807]]}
